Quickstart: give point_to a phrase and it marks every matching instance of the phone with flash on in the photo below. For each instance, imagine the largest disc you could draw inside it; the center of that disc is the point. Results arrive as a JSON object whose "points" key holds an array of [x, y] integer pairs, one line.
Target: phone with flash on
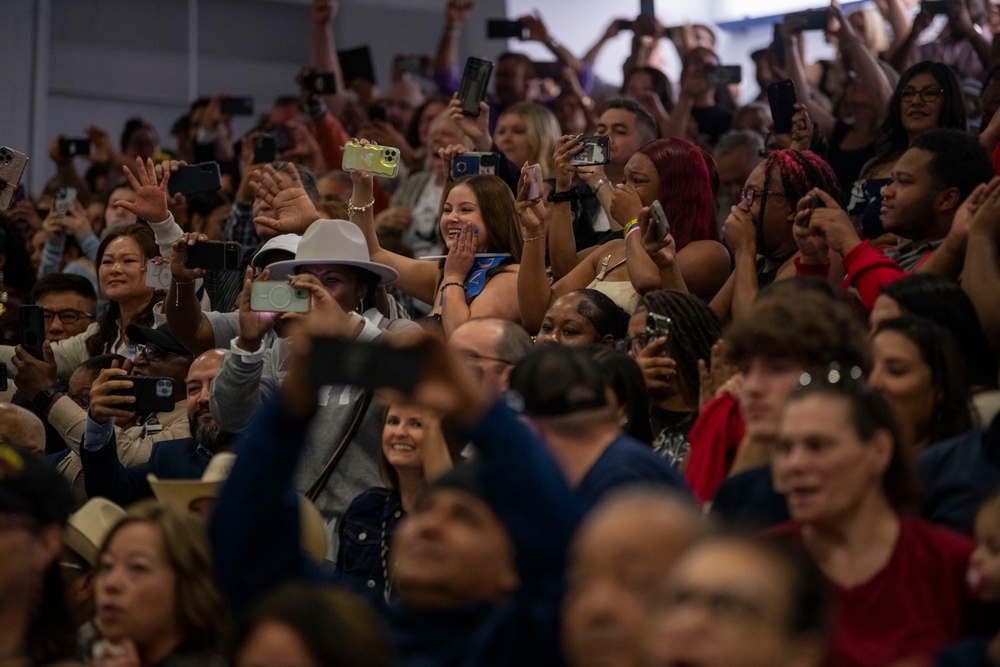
{"points": [[535, 184]]}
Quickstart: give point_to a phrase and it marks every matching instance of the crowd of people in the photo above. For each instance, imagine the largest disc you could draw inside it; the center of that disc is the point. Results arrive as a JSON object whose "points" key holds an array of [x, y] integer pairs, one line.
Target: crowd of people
{"points": [[726, 398]]}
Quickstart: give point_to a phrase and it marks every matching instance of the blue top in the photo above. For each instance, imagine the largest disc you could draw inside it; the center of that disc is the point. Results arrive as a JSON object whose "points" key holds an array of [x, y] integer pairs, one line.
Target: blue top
{"points": [[958, 474], [628, 461], [255, 525]]}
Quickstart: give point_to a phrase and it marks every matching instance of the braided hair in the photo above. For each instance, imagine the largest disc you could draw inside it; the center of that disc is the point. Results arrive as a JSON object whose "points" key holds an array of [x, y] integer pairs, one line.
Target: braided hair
{"points": [[694, 330], [800, 172]]}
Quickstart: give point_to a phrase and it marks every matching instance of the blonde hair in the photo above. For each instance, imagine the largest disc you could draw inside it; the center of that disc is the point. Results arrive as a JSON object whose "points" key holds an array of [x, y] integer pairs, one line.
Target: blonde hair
{"points": [[543, 130], [875, 36]]}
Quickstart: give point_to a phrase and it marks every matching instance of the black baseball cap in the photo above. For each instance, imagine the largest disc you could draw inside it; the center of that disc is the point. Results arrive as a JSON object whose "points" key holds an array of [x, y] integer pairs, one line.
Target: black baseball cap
{"points": [[160, 337], [29, 485], [556, 380]]}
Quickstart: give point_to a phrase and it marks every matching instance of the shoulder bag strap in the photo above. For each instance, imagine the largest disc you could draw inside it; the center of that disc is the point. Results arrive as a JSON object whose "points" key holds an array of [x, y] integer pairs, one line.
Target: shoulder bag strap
{"points": [[317, 487]]}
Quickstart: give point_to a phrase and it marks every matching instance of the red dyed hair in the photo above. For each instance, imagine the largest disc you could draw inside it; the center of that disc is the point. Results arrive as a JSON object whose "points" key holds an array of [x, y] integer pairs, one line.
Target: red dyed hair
{"points": [[685, 189]]}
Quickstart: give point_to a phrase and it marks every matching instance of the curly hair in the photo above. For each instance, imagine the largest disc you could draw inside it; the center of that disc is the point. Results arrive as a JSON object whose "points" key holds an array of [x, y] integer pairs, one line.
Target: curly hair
{"points": [[694, 329], [805, 326]]}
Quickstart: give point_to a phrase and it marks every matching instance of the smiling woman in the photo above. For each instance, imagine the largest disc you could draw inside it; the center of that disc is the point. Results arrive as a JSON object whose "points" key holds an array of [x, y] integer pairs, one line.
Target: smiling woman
{"points": [[413, 451]]}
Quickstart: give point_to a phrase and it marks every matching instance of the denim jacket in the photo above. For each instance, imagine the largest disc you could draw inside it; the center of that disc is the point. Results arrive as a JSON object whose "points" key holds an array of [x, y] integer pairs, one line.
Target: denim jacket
{"points": [[368, 524]]}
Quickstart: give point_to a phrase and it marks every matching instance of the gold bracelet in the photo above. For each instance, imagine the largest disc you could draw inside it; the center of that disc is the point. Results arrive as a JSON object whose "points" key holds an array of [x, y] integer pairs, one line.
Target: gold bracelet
{"points": [[533, 238]]}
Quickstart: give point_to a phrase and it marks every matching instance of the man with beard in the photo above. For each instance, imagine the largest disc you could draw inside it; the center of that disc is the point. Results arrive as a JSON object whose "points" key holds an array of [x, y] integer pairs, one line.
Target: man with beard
{"points": [[185, 458]]}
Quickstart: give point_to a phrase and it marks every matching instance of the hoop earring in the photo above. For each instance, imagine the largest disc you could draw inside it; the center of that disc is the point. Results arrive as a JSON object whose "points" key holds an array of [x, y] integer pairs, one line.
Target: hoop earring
{"points": [[360, 307]]}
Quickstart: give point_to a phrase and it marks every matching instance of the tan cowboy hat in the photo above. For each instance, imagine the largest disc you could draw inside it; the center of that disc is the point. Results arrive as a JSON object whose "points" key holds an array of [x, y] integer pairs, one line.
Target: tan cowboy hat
{"points": [[333, 242], [89, 526], [180, 493]]}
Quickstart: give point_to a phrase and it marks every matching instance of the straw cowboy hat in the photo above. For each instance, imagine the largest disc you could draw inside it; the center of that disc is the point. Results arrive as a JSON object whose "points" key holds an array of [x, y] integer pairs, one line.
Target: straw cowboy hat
{"points": [[89, 525], [179, 494], [333, 242]]}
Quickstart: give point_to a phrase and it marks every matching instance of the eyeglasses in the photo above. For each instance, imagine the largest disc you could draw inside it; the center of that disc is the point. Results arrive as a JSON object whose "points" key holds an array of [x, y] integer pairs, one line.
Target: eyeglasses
{"points": [[66, 315], [748, 195], [153, 353], [636, 344], [928, 94]]}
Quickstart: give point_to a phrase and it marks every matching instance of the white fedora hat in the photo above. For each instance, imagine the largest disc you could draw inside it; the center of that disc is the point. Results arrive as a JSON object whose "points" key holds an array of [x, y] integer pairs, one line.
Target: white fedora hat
{"points": [[89, 526], [333, 242]]}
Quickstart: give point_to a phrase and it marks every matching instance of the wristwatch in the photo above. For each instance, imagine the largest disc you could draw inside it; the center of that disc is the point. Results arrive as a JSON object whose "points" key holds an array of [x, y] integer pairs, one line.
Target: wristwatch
{"points": [[42, 399]]}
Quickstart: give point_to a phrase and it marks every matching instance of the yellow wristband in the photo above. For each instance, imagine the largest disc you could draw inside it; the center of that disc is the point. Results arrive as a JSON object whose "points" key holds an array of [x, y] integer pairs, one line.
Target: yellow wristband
{"points": [[630, 225]]}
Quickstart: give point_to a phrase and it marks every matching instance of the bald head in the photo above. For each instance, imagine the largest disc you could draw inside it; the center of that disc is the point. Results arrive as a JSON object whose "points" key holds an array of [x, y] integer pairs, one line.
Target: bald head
{"points": [[623, 548], [21, 427], [492, 346]]}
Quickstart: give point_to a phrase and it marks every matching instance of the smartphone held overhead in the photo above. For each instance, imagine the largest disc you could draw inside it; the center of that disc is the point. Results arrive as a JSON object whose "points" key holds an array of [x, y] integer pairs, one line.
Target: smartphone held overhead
{"points": [[475, 81], [193, 178], [371, 159]]}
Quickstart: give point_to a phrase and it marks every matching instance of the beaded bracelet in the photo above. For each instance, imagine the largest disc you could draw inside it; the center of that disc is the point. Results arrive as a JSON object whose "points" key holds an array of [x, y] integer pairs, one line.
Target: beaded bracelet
{"points": [[352, 209], [453, 282]]}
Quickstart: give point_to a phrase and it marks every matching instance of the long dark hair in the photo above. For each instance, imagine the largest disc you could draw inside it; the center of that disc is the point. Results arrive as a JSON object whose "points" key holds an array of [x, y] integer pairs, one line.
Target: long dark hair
{"points": [[893, 139], [107, 332]]}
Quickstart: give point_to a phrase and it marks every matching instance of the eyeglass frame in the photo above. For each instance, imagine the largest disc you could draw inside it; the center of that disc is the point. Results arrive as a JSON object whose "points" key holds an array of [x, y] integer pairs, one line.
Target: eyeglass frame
{"points": [[49, 315], [908, 93], [748, 200], [159, 352]]}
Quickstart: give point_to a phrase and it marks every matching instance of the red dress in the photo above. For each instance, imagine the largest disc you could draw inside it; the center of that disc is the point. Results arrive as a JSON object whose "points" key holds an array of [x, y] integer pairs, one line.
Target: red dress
{"points": [[911, 609]]}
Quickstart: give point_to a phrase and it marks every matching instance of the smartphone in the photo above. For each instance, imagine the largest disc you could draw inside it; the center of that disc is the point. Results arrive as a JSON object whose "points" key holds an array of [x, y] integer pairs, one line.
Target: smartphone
{"points": [[356, 63], [674, 33], [277, 296], [535, 185], [339, 361], [64, 200], [376, 112], [781, 97], [32, 329], [219, 255], [658, 219], [504, 29], [152, 394], [12, 164], [647, 8], [815, 202], [723, 75], [475, 81], [596, 150], [371, 159], [321, 83], [778, 46], [74, 147], [237, 106], [265, 148], [657, 325], [158, 276], [624, 24], [470, 164], [934, 7], [204, 177], [3, 377], [814, 19]]}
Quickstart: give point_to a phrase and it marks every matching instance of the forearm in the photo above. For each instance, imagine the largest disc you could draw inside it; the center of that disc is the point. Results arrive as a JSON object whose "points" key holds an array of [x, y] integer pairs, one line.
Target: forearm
{"points": [[52, 254], [595, 50], [69, 420], [187, 323], [323, 54], [982, 46], [562, 240], [980, 277], [533, 290], [237, 390], [745, 286], [446, 56], [946, 261], [900, 60], [642, 270], [166, 234], [680, 118], [454, 307], [899, 21], [564, 55]]}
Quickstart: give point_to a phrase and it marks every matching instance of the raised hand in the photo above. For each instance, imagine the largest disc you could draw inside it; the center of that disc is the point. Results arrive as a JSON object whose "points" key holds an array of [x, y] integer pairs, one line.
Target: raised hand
{"points": [[829, 220], [625, 204], [658, 369], [33, 375], [532, 212], [476, 128], [457, 12], [150, 197], [537, 30], [739, 232], [178, 251], [663, 251], [283, 192], [461, 255], [253, 325], [105, 406]]}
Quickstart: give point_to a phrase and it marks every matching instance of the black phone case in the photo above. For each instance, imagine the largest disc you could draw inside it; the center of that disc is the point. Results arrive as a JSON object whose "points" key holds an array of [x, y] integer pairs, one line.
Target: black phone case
{"points": [[504, 29], [220, 255], [814, 19], [3, 376], [321, 83], [150, 394], [781, 97], [265, 148], [204, 177], [475, 81], [338, 361], [647, 7], [32, 329], [74, 147]]}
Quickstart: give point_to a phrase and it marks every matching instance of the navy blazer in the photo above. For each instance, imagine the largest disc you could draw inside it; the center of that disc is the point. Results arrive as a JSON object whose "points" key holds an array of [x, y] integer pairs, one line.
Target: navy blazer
{"points": [[104, 474]]}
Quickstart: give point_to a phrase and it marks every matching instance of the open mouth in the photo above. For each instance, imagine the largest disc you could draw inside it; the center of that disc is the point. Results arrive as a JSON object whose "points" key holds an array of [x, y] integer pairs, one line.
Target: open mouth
{"points": [[400, 447]]}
